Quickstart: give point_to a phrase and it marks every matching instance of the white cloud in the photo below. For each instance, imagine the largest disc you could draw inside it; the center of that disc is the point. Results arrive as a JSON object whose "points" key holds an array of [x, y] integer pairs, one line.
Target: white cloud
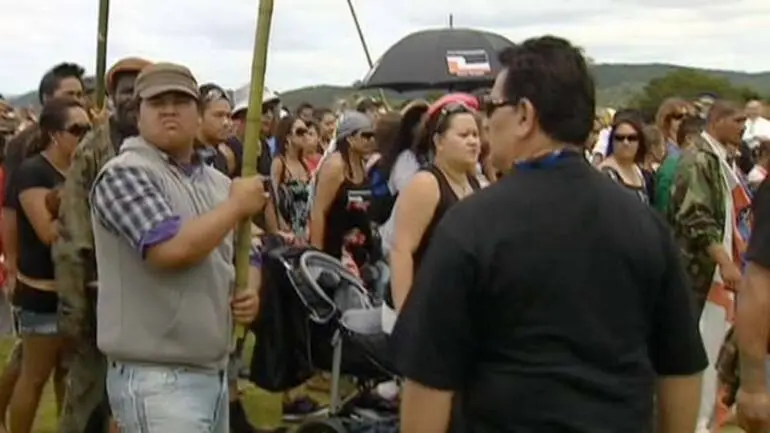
{"points": [[315, 41]]}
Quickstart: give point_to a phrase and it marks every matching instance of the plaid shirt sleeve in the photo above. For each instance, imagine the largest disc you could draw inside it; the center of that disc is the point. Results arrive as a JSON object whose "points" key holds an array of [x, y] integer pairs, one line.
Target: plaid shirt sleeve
{"points": [[127, 202]]}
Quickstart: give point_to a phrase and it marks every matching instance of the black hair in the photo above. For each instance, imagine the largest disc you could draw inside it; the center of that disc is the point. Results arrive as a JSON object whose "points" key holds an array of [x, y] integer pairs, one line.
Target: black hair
{"points": [[437, 123], [283, 130], [405, 137], [211, 92], [53, 78], [304, 106], [690, 125], [553, 76], [53, 119]]}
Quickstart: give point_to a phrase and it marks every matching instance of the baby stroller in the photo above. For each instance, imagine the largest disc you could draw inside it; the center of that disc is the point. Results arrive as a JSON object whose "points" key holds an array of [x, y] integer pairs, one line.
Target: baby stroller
{"points": [[315, 315]]}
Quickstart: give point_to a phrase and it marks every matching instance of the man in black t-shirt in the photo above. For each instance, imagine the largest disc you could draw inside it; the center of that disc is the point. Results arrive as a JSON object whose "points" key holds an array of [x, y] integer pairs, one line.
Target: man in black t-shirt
{"points": [[751, 325], [553, 300]]}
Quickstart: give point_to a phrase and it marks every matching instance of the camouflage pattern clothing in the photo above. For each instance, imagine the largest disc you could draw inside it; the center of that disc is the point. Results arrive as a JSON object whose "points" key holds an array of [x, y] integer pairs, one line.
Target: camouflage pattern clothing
{"points": [[697, 213], [85, 408]]}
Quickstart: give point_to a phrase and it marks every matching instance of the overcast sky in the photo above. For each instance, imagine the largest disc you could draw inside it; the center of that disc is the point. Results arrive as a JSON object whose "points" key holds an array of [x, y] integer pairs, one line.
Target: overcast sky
{"points": [[315, 41]]}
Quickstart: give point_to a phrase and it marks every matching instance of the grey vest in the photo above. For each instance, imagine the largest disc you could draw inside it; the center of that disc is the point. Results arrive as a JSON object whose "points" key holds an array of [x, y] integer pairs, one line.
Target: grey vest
{"points": [[147, 315]]}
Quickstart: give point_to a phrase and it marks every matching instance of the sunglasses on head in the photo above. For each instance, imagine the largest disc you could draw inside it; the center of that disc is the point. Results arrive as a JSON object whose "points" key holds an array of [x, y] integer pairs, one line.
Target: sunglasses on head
{"points": [[78, 130], [631, 138], [215, 94], [451, 109]]}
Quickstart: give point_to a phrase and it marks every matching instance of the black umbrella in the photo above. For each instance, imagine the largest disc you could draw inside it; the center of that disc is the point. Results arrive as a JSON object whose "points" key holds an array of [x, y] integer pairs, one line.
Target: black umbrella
{"points": [[455, 59]]}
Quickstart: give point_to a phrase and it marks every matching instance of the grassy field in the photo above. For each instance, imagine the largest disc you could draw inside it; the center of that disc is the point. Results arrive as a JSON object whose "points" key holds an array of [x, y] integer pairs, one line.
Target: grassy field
{"points": [[263, 408]]}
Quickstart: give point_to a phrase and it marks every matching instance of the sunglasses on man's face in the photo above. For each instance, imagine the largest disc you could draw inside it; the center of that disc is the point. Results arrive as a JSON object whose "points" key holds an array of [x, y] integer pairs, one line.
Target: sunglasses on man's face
{"points": [[78, 130], [367, 135], [490, 106]]}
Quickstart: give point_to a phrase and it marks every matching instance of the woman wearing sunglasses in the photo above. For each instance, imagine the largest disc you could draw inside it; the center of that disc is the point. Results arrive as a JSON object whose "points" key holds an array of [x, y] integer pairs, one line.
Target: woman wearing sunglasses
{"points": [[452, 133], [63, 122], [340, 221], [627, 149], [291, 175]]}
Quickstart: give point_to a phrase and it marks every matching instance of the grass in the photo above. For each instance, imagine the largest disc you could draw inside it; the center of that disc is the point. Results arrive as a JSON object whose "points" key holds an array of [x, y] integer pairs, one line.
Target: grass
{"points": [[264, 409]]}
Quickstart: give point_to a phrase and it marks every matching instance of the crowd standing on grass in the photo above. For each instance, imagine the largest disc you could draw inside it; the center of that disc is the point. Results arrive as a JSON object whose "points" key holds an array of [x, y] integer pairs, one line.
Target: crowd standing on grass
{"points": [[549, 265]]}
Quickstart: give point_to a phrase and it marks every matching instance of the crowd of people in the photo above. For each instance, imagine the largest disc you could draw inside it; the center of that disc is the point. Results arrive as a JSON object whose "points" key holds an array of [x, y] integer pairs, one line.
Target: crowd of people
{"points": [[548, 266]]}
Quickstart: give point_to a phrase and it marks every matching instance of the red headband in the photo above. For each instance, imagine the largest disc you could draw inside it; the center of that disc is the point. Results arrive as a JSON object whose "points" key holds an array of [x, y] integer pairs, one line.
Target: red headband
{"points": [[466, 99]]}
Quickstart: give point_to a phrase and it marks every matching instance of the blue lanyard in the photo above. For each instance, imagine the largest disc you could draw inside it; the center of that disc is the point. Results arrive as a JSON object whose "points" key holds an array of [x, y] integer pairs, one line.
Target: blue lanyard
{"points": [[548, 161]]}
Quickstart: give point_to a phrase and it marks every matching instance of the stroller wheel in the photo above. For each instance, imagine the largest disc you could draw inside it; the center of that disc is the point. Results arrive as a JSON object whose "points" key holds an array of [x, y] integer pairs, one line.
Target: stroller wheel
{"points": [[321, 426]]}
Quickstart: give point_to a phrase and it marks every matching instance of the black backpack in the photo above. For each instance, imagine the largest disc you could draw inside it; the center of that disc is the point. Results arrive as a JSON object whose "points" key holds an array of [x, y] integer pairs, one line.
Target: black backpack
{"points": [[280, 360]]}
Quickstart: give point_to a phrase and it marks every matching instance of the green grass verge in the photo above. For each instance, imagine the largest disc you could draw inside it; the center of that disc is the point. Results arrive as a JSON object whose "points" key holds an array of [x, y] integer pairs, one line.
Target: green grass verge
{"points": [[264, 409]]}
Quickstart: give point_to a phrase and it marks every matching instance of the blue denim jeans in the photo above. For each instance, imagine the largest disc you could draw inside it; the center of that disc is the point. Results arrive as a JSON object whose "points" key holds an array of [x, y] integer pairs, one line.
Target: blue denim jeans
{"points": [[167, 399]]}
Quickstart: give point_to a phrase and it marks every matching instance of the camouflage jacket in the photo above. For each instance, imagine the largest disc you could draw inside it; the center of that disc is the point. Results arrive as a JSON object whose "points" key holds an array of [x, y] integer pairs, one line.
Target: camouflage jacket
{"points": [[73, 252], [697, 212]]}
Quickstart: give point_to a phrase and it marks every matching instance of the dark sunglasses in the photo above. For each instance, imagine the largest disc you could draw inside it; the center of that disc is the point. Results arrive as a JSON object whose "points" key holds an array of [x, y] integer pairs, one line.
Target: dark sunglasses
{"points": [[368, 135], [631, 138], [300, 131], [490, 106], [78, 130]]}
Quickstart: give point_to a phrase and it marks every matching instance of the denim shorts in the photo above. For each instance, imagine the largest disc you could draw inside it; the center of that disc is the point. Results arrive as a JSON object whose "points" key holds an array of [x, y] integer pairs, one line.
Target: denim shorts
{"points": [[34, 323]]}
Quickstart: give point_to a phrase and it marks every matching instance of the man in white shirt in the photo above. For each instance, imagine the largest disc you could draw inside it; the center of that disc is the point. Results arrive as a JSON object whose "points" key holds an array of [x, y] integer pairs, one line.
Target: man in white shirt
{"points": [[757, 127]]}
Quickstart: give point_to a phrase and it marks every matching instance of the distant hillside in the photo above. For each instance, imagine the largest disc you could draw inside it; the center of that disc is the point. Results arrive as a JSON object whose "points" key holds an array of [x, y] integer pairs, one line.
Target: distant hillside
{"points": [[616, 83]]}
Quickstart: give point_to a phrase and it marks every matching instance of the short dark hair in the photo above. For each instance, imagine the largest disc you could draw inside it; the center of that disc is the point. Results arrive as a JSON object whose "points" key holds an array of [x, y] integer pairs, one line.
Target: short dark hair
{"points": [[304, 106], [53, 78], [690, 125], [553, 76], [211, 92], [53, 117]]}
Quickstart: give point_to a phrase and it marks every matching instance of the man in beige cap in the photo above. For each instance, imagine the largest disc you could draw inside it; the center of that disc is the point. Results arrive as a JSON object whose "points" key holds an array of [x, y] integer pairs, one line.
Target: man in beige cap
{"points": [[163, 223]]}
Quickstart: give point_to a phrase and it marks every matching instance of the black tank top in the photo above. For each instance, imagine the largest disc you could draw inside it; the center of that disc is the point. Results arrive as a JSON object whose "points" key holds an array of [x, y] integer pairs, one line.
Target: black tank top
{"points": [[447, 199], [348, 211]]}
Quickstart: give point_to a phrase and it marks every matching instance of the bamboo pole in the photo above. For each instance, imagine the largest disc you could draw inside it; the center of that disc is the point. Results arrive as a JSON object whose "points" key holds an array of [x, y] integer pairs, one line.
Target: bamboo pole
{"points": [[101, 52], [252, 146], [365, 46]]}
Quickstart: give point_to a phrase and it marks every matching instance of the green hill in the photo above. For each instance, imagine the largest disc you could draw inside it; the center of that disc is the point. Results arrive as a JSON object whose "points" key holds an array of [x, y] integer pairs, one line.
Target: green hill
{"points": [[616, 84]]}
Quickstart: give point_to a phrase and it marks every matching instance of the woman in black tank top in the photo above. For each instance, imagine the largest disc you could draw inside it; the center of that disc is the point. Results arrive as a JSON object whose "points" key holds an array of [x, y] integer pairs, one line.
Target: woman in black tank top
{"points": [[339, 219], [453, 134]]}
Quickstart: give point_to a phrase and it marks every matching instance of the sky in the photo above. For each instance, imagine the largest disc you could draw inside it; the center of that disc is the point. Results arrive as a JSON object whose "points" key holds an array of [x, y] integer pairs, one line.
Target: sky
{"points": [[315, 41]]}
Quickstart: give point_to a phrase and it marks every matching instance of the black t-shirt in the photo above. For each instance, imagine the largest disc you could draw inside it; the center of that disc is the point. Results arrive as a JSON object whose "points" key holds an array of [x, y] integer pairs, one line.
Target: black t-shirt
{"points": [[34, 256], [759, 242], [549, 302]]}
